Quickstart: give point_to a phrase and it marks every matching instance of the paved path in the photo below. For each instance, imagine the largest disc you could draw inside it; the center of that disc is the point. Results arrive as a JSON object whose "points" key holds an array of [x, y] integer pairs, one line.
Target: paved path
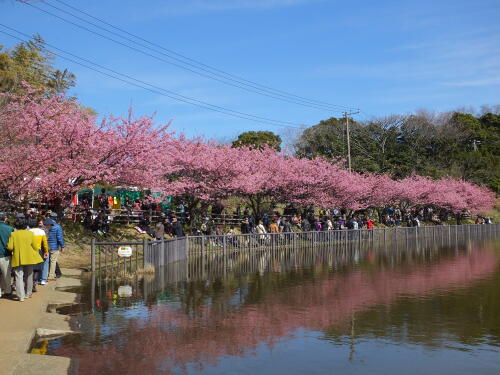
{"points": [[20, 321]]}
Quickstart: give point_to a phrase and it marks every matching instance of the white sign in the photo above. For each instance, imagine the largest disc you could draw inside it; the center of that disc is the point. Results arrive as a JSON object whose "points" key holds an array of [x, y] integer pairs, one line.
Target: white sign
{"points": [[125, 251], [125, 291]]}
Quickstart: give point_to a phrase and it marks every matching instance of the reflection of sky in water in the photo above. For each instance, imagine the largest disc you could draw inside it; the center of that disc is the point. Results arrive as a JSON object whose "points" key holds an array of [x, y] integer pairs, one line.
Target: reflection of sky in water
{"points": [[321, 318], [307, 354]]}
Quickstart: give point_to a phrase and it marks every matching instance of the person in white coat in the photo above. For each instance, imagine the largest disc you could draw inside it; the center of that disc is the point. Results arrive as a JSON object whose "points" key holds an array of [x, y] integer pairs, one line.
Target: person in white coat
{"points": [[260, 229]]}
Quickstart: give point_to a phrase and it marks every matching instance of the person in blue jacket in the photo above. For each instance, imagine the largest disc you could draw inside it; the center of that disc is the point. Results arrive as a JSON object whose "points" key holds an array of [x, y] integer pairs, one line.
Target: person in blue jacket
{"points": [[5, 256], [55, 239]]}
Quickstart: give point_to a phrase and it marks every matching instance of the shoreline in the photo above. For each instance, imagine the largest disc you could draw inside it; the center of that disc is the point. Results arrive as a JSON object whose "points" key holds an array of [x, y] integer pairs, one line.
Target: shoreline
{"points": [[22, 322]]}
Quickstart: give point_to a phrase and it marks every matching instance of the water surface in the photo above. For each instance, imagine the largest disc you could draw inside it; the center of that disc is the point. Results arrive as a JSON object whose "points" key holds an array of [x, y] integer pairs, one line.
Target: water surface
{"points": [[426, 309]]}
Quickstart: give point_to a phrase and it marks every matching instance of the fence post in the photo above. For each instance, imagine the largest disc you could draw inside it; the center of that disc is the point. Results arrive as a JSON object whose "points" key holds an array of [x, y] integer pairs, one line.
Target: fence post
{"points": [[92, 254], [92, 293], [187, 246], [162, 253], [145, 252], [224, 243], [176, 247]]}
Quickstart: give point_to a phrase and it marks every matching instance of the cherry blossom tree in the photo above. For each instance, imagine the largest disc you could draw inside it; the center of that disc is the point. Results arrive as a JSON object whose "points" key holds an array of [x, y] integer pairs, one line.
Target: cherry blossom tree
{"points": [[51, 147]]}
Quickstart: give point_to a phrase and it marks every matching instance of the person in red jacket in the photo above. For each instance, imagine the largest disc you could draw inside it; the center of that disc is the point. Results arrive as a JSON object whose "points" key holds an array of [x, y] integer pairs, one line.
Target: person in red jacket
{"points": [[369, 224]]}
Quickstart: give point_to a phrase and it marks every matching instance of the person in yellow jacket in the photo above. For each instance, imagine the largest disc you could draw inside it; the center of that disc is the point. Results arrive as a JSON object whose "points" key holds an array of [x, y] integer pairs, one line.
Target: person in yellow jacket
{"points": [[24, 250], [43, 250]]}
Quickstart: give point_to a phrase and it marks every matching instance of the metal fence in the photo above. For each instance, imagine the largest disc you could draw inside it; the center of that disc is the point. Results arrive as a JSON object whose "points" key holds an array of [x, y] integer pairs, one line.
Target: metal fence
{"points": [[201, 248], [230, 242], [105, 255], [163, 252]]}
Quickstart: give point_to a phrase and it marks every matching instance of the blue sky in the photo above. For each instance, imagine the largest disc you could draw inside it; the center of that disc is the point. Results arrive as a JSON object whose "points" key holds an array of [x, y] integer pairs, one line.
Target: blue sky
{"points": [[383, 57]]}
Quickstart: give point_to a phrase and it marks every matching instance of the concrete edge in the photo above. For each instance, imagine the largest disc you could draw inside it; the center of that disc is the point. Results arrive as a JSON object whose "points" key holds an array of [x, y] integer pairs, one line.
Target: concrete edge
{"points": [[52, 325]]}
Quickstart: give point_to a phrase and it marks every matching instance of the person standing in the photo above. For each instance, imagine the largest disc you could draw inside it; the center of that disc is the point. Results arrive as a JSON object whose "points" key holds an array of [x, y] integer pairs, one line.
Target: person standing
{"points": [[329, 224], [160, 230], [416, 222], [5, 256], [274, 228], [260, 228], [24, 249], [369, 224], [177, 228], [31, 219], [245, 226], [43, 250], [127, 205], [56, 246], [355, 224], [285, 224]]}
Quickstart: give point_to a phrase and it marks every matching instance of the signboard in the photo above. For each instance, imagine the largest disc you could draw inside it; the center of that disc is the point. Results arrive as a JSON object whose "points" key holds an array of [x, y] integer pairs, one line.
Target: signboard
{"points": [[125, 251], [125, 291]]}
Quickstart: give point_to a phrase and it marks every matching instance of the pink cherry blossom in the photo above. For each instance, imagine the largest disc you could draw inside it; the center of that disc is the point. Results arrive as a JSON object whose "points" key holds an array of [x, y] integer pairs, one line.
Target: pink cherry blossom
{"points": [[51, 147]]}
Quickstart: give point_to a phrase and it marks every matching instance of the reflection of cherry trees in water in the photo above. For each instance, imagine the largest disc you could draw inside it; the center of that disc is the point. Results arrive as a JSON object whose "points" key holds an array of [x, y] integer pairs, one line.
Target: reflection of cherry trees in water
{"points": [[171, 339]]}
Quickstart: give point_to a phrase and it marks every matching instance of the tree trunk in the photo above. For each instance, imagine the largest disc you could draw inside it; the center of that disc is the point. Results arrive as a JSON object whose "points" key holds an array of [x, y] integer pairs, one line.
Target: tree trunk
{"points": [[256, 205]]}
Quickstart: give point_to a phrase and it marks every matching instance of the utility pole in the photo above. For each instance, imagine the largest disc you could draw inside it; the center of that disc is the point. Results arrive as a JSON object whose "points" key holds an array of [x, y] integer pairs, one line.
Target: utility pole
{"points": [[346, 115]]}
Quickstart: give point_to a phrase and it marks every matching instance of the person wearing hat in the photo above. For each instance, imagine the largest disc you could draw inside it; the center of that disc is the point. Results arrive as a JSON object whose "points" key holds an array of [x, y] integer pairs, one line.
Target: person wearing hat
{"points": [[55, 239], [5, 256], [24, 250]]}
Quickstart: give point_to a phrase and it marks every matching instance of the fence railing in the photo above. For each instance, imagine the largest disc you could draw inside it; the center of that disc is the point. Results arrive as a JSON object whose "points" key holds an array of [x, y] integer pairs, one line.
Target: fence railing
{"points": [[163, 252], [140, 255], [237, 242], [124, 215]]}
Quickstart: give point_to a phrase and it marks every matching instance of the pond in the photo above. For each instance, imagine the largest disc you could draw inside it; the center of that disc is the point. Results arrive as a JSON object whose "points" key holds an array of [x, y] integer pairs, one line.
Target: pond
{"points": [[410, 309]]}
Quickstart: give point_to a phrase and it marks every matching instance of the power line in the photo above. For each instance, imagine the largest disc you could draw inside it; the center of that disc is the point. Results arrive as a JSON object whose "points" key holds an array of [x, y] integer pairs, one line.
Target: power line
{"points": [[156, 89], [206, 71], [198, 63]]}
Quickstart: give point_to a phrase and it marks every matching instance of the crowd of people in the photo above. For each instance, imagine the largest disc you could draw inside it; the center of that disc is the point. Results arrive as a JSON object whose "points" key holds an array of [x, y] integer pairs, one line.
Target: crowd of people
{"points": [[29, 249], [167, 225], [293, 219], [157, 219]]}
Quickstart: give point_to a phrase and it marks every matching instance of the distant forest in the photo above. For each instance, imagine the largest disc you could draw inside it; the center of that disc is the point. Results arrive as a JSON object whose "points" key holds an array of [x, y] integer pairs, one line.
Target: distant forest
{"points": [[458, 144]]}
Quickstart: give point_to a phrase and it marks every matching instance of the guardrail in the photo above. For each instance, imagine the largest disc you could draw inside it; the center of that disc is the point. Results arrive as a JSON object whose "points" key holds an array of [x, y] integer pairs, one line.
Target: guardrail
{"points": [[135, 256]]}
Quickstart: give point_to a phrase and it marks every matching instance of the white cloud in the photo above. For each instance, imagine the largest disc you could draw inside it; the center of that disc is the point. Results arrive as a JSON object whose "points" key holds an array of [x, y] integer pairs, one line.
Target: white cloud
{"points": [[449, 60], [490, 81]]}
